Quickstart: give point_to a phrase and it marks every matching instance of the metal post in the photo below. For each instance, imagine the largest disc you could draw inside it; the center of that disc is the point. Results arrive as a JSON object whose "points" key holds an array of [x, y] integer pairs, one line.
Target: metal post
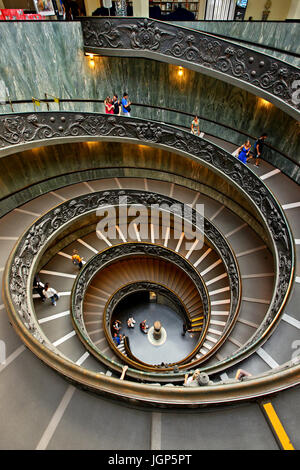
{"points": [[48, 107]]}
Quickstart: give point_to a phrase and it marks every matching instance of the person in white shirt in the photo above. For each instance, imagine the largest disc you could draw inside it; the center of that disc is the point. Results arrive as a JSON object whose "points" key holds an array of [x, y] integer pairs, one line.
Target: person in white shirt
{"points": [[51, 294], [192, 381], [130, 322]]}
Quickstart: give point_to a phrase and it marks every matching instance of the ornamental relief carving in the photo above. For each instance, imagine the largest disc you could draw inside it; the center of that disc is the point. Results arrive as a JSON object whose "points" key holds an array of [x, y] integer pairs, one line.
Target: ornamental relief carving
{"points": [[28, 127], [37, 236], [128, 249], [139, 286], [262, 71]]}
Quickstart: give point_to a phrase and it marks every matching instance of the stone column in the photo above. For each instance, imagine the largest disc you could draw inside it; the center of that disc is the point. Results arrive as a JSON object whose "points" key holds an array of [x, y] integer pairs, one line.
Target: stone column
{"points": [[201, 10], [294, 11], [157, 330], [90, 6], [141, 8]]}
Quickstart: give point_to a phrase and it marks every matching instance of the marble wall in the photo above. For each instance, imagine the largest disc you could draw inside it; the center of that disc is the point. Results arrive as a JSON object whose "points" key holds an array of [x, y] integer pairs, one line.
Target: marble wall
{"points": [[280, 35], [48, 57], [44, 57]]}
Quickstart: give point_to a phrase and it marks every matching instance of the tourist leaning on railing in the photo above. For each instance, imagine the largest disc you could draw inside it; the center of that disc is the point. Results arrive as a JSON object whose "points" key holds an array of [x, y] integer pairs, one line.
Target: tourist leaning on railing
{"points": [[109, 107], [126, 105], [117, 105]]}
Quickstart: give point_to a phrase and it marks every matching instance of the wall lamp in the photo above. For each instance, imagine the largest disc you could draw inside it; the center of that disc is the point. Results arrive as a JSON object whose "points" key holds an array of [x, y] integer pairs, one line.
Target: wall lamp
{"points": [[264, 102], [91, 60]]}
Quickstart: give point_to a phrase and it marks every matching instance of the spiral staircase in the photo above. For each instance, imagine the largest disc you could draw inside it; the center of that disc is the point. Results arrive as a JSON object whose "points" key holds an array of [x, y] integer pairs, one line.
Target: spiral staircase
{"points": [[238, 291]]}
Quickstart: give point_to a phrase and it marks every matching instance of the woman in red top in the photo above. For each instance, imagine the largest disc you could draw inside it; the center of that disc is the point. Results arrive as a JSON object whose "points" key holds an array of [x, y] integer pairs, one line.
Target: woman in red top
{"points": [[109, 107], [143, 326]]}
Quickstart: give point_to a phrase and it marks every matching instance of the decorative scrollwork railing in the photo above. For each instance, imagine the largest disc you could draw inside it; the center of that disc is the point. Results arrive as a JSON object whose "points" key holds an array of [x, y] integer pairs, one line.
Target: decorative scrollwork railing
{"points": [[212, 235], [132, 288], [26, 130], [117, 253], [35, 240], [141, 37], [159, 289], [268, 154]]}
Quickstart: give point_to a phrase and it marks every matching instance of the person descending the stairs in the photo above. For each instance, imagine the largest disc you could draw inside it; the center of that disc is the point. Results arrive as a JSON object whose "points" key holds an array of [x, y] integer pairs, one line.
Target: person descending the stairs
{"points": [[76, 259], [117, 339], [51, 294]]}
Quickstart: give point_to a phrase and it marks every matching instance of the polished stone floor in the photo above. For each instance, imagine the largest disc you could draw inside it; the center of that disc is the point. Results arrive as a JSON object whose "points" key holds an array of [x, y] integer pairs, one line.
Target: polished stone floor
{"points": [[176, 346]]}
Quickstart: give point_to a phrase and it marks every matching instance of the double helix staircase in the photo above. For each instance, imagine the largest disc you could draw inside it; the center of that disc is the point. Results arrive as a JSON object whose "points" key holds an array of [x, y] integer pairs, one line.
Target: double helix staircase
{"points": [[40, 409], [254, 259], [255, 263]]}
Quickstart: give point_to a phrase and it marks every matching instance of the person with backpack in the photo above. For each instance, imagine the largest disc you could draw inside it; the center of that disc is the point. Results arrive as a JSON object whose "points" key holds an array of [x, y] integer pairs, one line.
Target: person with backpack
{"points": [[51, 294], [76, 259]]}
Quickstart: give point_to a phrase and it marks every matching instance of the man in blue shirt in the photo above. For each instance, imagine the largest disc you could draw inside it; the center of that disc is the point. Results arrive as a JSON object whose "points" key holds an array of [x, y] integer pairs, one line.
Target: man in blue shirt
{"points": [[126, 105], [117, 339]]}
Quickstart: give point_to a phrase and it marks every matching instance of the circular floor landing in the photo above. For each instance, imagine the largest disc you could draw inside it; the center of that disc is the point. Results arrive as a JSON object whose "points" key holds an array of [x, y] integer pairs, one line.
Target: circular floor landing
{"points": [[176, 346]]}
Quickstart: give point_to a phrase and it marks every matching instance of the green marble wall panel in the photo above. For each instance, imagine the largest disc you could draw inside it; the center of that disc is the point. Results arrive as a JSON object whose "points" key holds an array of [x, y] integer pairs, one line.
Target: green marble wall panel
{"points": [[39, 57], [280, 35]]}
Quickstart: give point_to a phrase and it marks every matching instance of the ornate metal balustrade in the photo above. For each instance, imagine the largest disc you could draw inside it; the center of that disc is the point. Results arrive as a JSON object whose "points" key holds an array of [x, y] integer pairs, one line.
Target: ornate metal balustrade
{"points": [[28, 130], [159, 289], [117, 253], [133, 287], [212, 235], [264, 75], [270, 152], [48, 227]]}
